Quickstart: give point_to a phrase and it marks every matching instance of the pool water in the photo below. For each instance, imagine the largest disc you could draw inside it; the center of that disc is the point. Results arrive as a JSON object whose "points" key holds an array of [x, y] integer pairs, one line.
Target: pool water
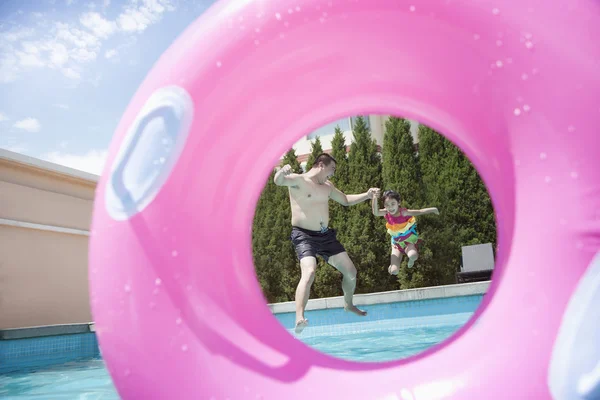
{"points": [[385, 340], [87, 380], [372, 341]]}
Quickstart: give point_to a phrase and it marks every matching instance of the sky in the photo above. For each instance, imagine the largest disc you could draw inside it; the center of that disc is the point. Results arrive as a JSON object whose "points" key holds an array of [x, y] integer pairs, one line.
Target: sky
{"points": [[68, 69]]}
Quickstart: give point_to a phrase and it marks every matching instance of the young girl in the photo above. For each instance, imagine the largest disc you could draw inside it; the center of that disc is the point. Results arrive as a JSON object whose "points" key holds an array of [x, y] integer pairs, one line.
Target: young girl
{"points": [[402, 227]]}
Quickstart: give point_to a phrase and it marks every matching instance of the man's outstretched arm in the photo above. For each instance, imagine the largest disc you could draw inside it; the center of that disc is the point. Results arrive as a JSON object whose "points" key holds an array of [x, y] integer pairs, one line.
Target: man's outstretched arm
{"points": [[349, 199]]}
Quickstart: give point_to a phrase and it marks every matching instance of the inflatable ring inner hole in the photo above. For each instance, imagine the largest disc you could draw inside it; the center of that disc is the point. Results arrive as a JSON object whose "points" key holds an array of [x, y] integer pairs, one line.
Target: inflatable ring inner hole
{"points": [[485, 160]]}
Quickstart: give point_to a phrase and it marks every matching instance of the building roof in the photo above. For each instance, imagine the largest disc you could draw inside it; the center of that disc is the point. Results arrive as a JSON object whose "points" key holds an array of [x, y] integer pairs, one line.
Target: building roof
{"points": [[45, 166]]}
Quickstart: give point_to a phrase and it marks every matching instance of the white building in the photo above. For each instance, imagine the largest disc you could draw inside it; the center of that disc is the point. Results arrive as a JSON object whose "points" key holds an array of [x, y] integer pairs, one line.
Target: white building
{"points": [[376, 124]]}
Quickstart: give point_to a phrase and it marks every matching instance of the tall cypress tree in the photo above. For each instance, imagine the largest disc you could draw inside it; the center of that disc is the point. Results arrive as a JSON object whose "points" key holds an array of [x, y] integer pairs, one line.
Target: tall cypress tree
{"points": [[448, 181], [401, 168], [435, 254], [274, 256], [363, 237], [281, 245], [315, 150], [466, 215], [400, 164], [269, 278], [475, 210], [470, 207], [338, 151], [328, 280], [338, 213]]}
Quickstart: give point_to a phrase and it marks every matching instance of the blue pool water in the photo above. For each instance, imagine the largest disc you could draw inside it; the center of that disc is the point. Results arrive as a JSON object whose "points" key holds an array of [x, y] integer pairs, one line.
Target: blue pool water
{"points": [[373, 340], [386, 340], [87, 380]]}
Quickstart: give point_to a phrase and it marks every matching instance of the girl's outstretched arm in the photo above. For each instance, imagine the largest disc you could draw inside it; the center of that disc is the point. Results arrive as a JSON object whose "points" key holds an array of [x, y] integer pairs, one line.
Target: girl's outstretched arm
{"points": [[423, 211]]}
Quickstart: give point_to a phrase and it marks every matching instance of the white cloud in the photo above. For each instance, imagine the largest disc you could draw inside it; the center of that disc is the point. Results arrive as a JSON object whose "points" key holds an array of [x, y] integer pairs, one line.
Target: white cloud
{"points": [[71, 74], [69, 47], [59, 54], [18, 34], [141, 14], [30, 47], [29, 59], [64, 49], [3, 117], [9, 70], [28, 124], [92, 162], [132, 20], [83, 55], [63, 106], [96, 23], [76, 37], [111, 53], [114, 54]]}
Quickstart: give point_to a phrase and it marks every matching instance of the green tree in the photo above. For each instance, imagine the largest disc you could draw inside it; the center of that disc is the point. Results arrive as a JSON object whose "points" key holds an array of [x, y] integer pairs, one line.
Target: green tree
{"points": [[452, 185], [435, 230], [339, 152], [363, 236], [274, 256], [268, 277], [328, 280], [315, 150], [400, 168], [439, 176]]}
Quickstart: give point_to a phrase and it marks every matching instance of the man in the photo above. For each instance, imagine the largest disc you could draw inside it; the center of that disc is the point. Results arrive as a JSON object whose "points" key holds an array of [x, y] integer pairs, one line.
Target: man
{"points": [[309, 198]]}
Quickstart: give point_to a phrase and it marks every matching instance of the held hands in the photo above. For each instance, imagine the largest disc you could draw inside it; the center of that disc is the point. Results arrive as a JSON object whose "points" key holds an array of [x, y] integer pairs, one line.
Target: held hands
{"points": [[374, 193]]}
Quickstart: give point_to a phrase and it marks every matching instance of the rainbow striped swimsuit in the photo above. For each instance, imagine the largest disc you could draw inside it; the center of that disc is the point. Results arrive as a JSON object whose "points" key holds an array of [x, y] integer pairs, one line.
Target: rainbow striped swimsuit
{"points": [[403, 230]]}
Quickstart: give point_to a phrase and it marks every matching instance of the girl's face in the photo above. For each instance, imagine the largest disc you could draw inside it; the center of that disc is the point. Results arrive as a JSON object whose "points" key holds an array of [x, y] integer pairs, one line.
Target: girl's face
{"points": [[391, 205]]}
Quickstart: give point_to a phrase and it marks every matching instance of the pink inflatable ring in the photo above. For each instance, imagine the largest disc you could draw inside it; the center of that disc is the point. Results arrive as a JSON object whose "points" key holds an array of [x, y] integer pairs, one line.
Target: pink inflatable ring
{"points": [[178, 309]]}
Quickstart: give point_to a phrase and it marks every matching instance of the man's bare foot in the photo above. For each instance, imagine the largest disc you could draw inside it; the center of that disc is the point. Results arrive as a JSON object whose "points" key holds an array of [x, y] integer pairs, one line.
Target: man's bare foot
{"points": [[300, 325], [355, 310]]}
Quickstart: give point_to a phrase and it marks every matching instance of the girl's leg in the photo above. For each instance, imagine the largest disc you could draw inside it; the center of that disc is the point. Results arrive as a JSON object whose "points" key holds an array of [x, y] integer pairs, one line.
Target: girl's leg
{"points": [[395, 259], [412, 253]]}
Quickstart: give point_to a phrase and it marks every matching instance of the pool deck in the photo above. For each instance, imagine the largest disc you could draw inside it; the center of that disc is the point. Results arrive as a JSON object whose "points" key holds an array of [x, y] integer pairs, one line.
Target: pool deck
{"points": [[437, 292], [41, 331], [396, 296]]}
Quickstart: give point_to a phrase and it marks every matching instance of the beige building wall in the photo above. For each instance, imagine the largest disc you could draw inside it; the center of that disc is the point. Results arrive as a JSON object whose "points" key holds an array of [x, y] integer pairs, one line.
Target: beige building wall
{"points": [[45, 213]]}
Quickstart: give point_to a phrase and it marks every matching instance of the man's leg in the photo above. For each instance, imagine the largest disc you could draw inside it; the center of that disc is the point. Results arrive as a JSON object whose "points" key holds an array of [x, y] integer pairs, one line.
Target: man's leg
{"points": [[344, 264], [308, 266]]}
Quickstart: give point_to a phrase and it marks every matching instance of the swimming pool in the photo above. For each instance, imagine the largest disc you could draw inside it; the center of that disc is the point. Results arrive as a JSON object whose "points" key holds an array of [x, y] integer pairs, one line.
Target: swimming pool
{"points": [[76, 380], [388, 340], [391, 331]]}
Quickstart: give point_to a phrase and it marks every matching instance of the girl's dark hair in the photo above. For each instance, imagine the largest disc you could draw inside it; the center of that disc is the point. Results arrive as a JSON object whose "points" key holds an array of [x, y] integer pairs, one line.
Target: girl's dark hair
{"points": [[390, 194]]}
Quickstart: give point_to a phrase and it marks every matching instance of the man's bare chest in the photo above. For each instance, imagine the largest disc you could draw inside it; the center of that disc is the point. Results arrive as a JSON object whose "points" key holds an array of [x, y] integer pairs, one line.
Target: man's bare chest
{"points": [[312, 192]]}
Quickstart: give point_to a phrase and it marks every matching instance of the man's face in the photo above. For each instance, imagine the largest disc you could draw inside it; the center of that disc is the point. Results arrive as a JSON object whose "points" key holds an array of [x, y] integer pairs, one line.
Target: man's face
{"points": [[329, 170]]}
